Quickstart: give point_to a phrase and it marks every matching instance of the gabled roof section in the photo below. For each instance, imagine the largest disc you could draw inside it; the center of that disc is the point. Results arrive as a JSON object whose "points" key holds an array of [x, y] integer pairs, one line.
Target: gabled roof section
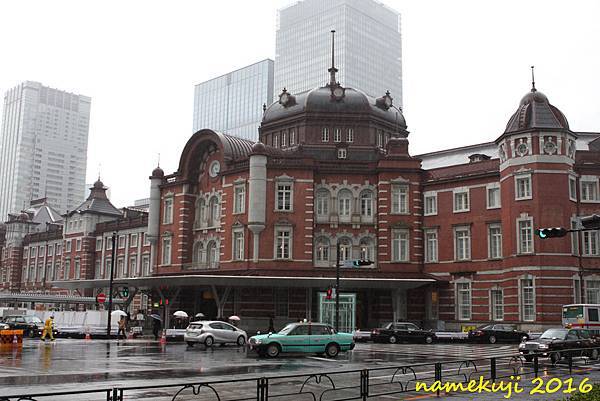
{"points": [[42, 212], [97, 202], [464, 170]]}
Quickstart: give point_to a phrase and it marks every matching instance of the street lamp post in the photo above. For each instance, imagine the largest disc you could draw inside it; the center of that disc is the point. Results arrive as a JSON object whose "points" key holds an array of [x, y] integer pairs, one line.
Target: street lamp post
{"points": [[110, 282], [337, 287]]}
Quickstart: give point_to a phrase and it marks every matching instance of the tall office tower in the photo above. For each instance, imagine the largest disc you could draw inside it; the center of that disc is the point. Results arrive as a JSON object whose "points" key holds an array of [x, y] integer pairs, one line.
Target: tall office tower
{"points": [[368, 48], [232, 103], [43, 147]]}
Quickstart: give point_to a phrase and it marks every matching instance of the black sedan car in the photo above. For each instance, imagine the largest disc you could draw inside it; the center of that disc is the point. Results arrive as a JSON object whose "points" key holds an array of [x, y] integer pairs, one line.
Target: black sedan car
{"points": [[402, 332], [553, 343], [494, 333], [31, 325]]}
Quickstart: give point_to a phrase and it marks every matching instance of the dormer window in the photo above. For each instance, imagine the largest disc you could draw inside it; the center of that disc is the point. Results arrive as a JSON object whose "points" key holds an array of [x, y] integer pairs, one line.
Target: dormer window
{"points": [[325, 135], [337, 135], [342, 153], [292, 137], [350, 136]]}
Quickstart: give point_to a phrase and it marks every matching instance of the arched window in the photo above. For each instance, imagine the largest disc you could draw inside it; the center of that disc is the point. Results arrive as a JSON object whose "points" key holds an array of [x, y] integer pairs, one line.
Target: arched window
{"points": [[345, 249], [367, 249], [215, 211], [366, 204], [199, 256], [345, 203], [322, 250], [200, 212], [322, 206], [213, 254]]}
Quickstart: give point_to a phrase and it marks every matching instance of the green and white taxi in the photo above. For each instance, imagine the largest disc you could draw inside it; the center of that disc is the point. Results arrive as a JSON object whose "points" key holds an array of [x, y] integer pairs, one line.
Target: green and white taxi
{"points": [[308, 337]]}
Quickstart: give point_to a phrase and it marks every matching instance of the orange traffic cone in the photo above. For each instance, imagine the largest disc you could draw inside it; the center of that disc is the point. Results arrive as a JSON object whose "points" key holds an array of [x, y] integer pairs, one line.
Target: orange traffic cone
{"points": [[163, 337]]}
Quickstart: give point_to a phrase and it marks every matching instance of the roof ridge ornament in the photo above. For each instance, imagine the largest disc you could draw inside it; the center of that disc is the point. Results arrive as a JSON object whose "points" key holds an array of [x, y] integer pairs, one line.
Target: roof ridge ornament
{"points": [[533, 80]]}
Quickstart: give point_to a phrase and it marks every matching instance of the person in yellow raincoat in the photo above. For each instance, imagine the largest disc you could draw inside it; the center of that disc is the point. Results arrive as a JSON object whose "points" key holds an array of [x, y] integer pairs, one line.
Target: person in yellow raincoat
{"points": [[48, 326]]}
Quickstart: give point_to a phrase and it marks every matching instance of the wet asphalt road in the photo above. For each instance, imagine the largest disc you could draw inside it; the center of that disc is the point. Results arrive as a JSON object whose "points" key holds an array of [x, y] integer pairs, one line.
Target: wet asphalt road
{"points": [[69, 364]]}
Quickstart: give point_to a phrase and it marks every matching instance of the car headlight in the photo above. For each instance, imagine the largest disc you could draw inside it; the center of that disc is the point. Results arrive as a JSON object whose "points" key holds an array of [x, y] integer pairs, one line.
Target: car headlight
{"points": [[543, 346], [522, 346]]}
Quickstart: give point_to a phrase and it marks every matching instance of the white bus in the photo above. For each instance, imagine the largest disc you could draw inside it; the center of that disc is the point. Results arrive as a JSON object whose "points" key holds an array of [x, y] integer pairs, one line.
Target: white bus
{"points": [[585, 316]]}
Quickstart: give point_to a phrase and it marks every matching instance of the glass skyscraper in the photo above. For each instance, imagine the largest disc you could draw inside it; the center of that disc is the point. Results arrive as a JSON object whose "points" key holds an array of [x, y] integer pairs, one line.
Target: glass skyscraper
{"points": [[233, 103], [368, 49], [43, 147]]}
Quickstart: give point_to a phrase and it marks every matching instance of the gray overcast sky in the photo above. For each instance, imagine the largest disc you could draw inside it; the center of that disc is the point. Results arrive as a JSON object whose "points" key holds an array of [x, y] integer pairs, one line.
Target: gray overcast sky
{"points": [[466, 66]]}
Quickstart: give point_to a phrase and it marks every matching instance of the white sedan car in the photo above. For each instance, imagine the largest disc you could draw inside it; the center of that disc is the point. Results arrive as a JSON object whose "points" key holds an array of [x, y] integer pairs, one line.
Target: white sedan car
{"points": [[209, 332]]}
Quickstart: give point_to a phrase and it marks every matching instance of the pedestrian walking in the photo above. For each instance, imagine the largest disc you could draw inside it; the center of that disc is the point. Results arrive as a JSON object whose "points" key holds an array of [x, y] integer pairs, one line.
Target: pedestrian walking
{"points": [[122, 328], [271, 325], [48, 328], [156, 326]]}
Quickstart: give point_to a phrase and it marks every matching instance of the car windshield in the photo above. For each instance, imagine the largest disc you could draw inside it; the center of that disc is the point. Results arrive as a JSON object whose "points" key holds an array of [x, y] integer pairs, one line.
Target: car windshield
{"points": [[287, 329], [195, 326], [486, 327], [33, 319], [554, 333], [389, 326]]}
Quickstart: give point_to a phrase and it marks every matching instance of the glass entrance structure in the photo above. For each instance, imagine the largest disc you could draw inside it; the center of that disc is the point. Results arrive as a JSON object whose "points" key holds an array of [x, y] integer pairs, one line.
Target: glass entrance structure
{"points": [[347, 311]]}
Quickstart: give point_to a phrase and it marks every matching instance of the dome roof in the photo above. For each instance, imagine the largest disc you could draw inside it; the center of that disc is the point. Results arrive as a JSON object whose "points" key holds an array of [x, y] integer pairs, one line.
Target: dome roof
{"points": [[535, 111], [259, 148], [320, 100], [98, 184], [158, 173]]}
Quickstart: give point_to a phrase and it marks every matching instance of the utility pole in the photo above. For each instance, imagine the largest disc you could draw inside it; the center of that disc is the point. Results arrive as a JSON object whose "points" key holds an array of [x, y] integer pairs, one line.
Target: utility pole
{"points": [[337, 287], [110, 281]]}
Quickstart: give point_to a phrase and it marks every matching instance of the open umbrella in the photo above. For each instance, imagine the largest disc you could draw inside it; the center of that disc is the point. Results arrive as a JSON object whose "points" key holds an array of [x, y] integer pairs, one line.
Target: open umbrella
{"points": [[199, 314], [180, 313], [155, 316], [235, 318], [118, 313]]}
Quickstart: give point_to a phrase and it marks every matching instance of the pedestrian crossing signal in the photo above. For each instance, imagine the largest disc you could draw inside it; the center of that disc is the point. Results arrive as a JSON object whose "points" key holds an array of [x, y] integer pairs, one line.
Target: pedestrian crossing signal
{"points": [[125, 292], [554, 232]]}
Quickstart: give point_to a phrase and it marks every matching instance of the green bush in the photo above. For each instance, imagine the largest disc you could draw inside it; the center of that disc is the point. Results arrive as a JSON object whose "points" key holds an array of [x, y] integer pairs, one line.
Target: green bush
{"points": [[593, 395]]}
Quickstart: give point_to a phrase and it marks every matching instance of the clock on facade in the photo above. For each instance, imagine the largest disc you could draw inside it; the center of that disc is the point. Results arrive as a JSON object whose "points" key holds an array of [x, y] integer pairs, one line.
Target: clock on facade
{"points": [[337, 92], [215, 168]]}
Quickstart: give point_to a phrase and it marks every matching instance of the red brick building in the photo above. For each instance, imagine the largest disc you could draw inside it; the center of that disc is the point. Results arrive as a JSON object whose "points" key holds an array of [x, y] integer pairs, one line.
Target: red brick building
{"points": [[253, 229]]}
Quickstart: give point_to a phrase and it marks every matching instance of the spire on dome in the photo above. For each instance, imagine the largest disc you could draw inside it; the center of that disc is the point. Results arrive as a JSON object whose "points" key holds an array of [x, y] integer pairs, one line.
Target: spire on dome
{"points": [[533, 80], [332, 70]]}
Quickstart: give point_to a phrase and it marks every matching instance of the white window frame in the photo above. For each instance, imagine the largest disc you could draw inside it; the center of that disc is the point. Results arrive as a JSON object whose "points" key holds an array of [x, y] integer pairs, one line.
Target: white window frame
{"points": [[132, 271], [463, 287], [367, 204], [77, 269], [400, 199], [237, 240], [521, 250], [337, 135], [575, 236], [146, 267], [350, 135], [492, 239], [528, 189], [283, 139], [590, 243], [168, 210], [292, 137], [67, 247], [239, 199], [167, 245], [322, 203], [275, 140], [586, 196], [466, 254], [592, 290], [78, 244], [325, 134], [345, 204], [496, 304], [121, 242], [283, 238], [366, 249], [214, 211], [493, 189], [431, 245], [522, 305], [345, 249], [342, 153], [322, 248], [286, 202], [461, 207], [427, 210], [133, 241], [213, 254], [99, 244], [400, 245], [572, 188]]}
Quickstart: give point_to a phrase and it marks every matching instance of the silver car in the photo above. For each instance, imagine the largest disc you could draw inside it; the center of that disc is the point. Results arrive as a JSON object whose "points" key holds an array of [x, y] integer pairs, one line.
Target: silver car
{"points": [[209, 332]]}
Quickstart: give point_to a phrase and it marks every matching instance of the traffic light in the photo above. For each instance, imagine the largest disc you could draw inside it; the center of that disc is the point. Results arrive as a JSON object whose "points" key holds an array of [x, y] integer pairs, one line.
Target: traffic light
{"points": [[329, 293], [361, 262], [553, 232], [591, 222], [125, 292]]}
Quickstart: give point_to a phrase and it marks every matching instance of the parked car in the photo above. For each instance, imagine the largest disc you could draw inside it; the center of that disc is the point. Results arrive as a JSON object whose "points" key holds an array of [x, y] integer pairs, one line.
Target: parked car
{"points": [[361, 335], [210, 332], [31, 325], [4, 326], [559, 340], [492, 333], [402, 332], [302, 337]]}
